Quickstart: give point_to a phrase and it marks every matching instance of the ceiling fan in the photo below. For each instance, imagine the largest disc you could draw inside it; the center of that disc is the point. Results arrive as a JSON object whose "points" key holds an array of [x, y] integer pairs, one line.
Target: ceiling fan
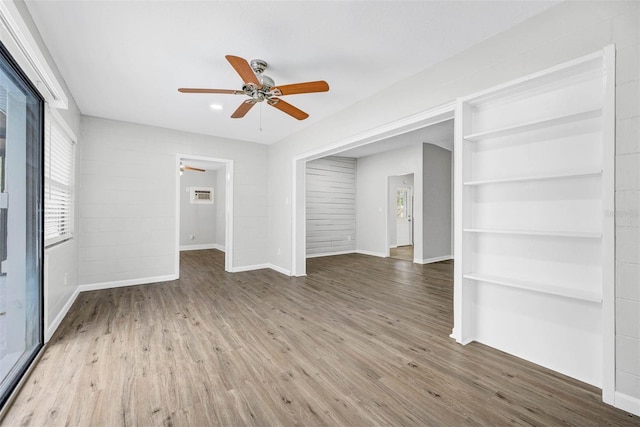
{"points": [[259, 87], [189, 168]]}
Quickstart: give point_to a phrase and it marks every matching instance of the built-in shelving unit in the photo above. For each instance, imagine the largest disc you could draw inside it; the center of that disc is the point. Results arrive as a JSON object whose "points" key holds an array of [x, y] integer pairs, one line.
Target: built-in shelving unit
{"points": [[537, 287], [539, 233], [533, 216], [534, 125], [572, 174]]}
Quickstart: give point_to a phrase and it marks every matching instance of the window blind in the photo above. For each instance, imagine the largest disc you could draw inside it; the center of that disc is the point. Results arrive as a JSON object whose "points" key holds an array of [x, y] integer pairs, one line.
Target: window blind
{"points": [[59, 152]]}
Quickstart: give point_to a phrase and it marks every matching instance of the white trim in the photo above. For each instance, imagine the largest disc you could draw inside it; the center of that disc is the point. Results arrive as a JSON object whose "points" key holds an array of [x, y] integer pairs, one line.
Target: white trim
{"points": [[458, 181], [202, 246], [228, 259], [329, 254], [128, 282], [497, 89], [420, 120], [250, 268], [608, 228], [51, 328], [27, 53], [254, 267], [280, 270], [432, 260], [407, 124], [627, 403], [370, 253]]}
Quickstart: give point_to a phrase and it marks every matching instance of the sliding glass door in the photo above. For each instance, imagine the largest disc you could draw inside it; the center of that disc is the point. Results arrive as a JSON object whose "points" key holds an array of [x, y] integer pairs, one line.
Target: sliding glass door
{"points": [[21, 117]]}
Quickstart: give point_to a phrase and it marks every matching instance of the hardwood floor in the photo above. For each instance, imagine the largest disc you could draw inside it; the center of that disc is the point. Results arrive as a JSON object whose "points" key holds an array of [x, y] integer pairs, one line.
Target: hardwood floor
{"points": [[402, 252], [360, 341]]}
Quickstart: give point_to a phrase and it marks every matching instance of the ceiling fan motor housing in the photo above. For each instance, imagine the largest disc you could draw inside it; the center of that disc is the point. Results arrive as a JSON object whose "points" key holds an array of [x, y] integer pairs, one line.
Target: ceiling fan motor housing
{"points": [[259, 94]]}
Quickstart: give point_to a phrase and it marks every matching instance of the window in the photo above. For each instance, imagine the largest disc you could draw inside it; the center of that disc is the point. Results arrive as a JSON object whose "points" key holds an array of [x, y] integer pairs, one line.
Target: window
{"points": [[59, 151]]}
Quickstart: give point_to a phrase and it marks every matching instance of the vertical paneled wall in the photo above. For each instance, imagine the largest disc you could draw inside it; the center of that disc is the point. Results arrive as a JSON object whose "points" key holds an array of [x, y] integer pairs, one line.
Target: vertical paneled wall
{"points": [[331, 206]]}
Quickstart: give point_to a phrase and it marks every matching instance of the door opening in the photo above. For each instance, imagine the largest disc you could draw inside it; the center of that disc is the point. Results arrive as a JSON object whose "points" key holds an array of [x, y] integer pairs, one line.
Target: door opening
{"points": [[400, 227], [197, 228]]}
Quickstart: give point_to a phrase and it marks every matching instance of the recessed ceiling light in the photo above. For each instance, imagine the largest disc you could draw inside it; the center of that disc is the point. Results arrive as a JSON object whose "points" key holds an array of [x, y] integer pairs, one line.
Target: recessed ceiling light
{"points": [[216, 107]]}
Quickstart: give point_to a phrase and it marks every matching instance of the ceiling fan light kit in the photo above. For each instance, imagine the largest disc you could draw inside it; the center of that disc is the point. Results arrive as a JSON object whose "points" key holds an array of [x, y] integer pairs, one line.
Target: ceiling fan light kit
{"points": [[260, 87]]}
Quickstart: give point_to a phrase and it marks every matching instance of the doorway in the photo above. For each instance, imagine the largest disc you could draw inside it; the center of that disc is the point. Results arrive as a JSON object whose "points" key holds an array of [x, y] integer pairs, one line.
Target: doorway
{"points": [[400, 229], [204, 197], [386, 134]]}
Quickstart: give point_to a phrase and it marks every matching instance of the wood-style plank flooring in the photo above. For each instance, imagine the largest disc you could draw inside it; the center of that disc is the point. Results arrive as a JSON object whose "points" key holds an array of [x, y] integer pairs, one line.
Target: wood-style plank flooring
{"points": [[402, 252], [360, 341]]}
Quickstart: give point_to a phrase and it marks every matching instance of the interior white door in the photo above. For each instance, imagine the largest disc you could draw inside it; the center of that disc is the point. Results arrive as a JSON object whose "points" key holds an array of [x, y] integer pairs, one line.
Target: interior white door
{"points": [[404, 216]]}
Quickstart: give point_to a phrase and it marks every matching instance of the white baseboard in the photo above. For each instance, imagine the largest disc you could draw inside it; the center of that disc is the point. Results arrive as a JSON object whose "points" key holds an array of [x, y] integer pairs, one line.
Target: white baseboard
{"points": [[249, 268], [202, 246], [330, 254], [454, 335], [431, 260], [51, 329], [260, 267], [280, 270], [130, 282], [371, 253], [627, 403], [393, 247]]}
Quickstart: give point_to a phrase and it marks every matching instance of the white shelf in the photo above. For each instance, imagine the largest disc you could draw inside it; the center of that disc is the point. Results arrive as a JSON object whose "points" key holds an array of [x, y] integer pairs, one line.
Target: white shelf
{"points": [[534, 125], [537, 287], [542, 233], [576, 174]]}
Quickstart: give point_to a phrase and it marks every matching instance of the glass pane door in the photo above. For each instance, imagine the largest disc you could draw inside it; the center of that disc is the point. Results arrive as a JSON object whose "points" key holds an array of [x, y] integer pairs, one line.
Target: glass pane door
{"points": [[21, 334]]}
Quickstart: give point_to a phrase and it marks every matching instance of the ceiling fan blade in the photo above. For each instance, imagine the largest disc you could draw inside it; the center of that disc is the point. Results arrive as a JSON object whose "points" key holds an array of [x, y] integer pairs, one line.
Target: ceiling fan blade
{"points": [[189, 168], [243, 109], [288, 108], [308, 87], [196, 90], [243, 68]]}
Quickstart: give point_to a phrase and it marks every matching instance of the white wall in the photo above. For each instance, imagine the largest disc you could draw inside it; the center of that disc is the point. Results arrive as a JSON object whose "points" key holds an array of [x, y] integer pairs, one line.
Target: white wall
{"points": [[127, 203], [394, 182], [437, 215], [331, 206], [372, 197], [565, 32], [197, 219]]}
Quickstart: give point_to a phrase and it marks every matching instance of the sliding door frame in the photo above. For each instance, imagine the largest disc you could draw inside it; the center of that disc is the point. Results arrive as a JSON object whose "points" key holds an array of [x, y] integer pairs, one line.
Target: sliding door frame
{"points": [[22, 373]]}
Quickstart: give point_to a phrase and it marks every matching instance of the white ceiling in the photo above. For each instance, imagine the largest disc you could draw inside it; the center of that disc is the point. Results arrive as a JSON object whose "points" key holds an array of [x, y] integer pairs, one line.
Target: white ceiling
{"points": [[124, 60]]}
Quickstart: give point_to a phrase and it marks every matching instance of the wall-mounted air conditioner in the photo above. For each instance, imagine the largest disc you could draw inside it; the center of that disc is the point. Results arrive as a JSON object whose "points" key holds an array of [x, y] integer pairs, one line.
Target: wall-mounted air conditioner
{"points": [[201, 195]]}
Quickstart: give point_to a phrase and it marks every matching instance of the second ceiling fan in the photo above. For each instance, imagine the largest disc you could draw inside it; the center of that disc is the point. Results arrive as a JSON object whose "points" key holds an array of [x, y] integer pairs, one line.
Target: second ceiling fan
{"points": [[260, 87]]}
